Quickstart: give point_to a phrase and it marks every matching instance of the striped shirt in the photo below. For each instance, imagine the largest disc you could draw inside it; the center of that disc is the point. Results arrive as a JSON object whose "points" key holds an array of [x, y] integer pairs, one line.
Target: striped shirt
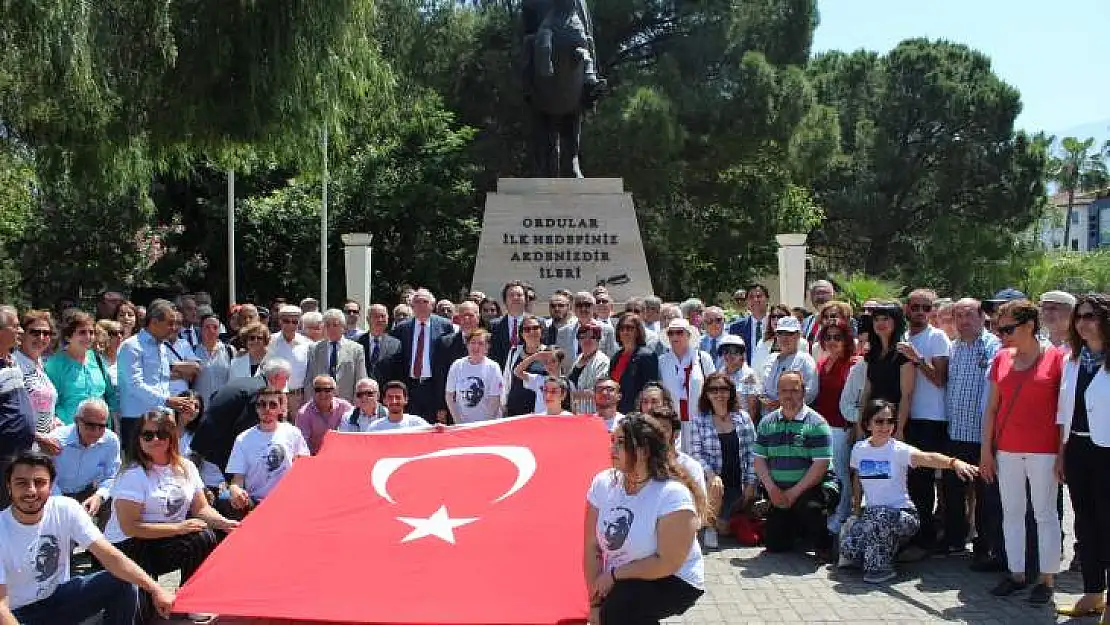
{"points": [[790, 447], [965, 397]]}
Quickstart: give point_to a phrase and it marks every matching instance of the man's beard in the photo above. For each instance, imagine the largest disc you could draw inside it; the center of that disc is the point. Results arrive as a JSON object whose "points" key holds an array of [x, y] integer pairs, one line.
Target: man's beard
{"points": [[29, 508]]}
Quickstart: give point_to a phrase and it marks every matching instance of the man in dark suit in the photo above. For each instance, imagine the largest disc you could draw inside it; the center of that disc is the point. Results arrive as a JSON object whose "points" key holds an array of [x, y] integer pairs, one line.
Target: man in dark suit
{"points": [[419, 342], [382, 350], [451, 347], [753, 326], [505, 331]]}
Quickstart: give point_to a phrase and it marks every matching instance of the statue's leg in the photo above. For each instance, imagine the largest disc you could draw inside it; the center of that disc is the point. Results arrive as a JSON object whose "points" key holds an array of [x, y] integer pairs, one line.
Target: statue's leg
{"points": [[570, 127], [543, 57]]}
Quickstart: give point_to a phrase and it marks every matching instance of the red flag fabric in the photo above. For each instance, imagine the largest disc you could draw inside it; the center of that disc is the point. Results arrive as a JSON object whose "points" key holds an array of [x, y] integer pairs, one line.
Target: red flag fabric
{"points": [[474, 524]]}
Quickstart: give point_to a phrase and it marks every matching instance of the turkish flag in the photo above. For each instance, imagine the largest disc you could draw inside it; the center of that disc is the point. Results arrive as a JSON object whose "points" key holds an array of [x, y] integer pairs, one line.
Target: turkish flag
{"points": [[473, 524]]}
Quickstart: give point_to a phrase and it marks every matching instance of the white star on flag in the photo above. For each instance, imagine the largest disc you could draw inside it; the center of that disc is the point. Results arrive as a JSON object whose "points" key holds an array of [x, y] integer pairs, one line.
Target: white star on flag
{"points": [[440, 525]]}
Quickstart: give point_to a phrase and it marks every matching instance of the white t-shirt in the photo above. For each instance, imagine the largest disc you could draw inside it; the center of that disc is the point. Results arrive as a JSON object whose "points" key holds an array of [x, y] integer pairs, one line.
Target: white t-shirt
{"points": [[694, 468], [383, 424], [534, 383], [262, 458], [34, 559], [882, 472], [475, 386], [164, 493], [626, 524], [928, 399]]}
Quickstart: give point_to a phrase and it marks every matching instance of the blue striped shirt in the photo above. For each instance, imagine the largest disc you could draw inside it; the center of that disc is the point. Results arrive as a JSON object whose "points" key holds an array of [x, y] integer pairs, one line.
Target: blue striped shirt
{"points": [[965, 397]]}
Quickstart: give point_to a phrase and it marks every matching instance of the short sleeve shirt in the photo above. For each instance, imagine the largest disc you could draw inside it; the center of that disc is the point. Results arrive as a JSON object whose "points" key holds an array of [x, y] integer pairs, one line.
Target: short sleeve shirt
{"points": [[263, 458], [1027, 403], [34, 559], [791, 446], [164, 493]]}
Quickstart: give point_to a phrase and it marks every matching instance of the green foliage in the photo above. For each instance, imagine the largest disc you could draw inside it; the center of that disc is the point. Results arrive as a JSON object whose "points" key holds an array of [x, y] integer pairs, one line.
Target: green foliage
{"points": [[1069, 271], [932, 180], [858, 288]]}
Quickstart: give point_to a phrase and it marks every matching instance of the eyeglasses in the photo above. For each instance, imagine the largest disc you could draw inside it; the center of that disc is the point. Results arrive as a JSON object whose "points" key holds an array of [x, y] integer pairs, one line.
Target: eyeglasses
{"points": [[251, 339], [150, 435], [602, 300], [351, 311], [883, 422], [785, 333], [1008, 329], [714, 320], [552, 390], [271, 404], [921, 307], [718, 389], [366, 393], [635, 311], [530, 329], [41, 333], [91, 425], [324, 389], [114, 333]]}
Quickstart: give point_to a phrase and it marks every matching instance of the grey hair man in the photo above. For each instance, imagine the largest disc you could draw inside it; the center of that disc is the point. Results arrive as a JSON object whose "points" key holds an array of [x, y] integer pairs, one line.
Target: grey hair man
{"points": [[89, 458], [1056, 308], [312, 325], [652, 307]]}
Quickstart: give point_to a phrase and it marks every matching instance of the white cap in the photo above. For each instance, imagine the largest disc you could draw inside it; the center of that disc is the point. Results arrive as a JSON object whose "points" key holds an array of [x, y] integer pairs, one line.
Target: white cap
{"points": [[289, 309], [788, 324], [1059, 297], [679, 324]]}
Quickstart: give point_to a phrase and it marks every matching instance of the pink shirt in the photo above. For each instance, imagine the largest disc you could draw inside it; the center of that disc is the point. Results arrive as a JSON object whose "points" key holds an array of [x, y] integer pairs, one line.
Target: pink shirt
{"points": [[1027, 402], [314, 424]]}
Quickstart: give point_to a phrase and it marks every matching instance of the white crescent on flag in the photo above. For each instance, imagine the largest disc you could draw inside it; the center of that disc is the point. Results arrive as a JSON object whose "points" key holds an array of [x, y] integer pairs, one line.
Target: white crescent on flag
{"points": [[521, 457]]}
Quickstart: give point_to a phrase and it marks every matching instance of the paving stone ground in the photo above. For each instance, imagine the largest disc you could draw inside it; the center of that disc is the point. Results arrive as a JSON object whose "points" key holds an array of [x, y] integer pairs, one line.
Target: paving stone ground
{"points": [[746, 586]]}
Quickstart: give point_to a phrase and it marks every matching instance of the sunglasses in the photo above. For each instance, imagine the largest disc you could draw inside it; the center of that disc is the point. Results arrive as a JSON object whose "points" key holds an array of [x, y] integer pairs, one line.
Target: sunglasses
{"points": [[351, 312], [883, 422], [150, 435], [676, 333], [714, 321], [40, 333], [1009, 329], [718, 389], [251, 339], [290, 321], [921, 307], [784, 333], [271, 404], [603, 301], [114, 333], [324, 389], [731, 351], [93, 426], [366, 393]]}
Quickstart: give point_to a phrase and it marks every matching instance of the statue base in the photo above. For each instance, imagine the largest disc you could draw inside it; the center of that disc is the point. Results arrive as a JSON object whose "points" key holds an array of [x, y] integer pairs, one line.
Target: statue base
{"points": [[561, 233]]}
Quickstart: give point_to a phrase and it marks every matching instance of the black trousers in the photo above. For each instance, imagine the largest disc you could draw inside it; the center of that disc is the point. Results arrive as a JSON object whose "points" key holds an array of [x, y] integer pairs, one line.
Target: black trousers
{"points": [[1085, 469], [646, 602], [989, 543], [422, 398], [926, 436], [157, 556], [805, 520]]}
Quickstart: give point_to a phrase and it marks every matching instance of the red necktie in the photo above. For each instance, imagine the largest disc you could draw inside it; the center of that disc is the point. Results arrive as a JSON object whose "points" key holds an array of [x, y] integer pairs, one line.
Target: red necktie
{"points": [[418, 360], [684, 403], [515, 337]]}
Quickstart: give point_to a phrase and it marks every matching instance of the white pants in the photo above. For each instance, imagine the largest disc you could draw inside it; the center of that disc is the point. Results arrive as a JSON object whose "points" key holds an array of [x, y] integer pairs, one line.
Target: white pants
{"points": [[842, 453], [1013, 470]]}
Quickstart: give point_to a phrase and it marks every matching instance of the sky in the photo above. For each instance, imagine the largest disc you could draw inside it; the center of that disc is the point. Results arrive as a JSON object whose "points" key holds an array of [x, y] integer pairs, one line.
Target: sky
{"points": [[1057, 54]]}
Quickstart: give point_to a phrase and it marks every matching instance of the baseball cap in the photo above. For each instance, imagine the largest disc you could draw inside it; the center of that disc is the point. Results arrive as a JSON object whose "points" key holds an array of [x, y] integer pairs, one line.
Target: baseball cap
{"points": [[1008, 295], [679, 324], [730, 339], [788, 324], [1059, 297]]}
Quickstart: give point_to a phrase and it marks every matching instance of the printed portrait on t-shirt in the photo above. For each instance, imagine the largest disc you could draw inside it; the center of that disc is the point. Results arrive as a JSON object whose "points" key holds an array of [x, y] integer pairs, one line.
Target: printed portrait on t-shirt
{"points": [[474, 392], [874, 470], [275, 457], [618, 523], [48, 555], [175, 498]]}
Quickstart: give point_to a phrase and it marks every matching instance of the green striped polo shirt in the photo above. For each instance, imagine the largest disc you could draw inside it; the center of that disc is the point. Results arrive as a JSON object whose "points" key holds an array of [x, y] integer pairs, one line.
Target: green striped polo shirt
{"points": [[790, 447]]}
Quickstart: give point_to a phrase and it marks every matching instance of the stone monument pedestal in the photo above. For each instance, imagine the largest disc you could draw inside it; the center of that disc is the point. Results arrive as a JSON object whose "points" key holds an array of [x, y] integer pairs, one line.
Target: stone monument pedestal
{"points": [[561, 233], [356, 256]]}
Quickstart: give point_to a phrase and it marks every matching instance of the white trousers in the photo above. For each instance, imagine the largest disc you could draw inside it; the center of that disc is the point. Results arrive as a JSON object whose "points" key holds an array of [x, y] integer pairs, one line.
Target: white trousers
{"points": [[1013, 471]]}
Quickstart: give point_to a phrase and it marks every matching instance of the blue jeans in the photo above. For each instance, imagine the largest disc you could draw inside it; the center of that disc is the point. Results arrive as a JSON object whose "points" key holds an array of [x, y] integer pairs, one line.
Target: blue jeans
{"points": [[83, 597]]}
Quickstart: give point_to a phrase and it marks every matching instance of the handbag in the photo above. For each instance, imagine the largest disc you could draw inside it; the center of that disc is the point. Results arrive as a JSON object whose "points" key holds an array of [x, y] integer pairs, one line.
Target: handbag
{"points": [[1004, 418]]}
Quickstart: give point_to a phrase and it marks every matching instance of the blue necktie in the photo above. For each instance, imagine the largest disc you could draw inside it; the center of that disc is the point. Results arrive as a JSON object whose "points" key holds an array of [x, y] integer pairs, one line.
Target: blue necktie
{"points": [[333, 361], [377, 349]]}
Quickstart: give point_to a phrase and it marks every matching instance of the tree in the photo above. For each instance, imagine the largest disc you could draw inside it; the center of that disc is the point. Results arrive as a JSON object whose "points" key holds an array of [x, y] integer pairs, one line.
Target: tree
{"points": [[928, 157], [1077, 168]]}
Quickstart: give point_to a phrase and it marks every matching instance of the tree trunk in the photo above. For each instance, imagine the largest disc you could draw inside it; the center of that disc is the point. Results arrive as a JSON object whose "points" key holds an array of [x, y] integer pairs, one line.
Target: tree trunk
{"points": [[1067, 220]]}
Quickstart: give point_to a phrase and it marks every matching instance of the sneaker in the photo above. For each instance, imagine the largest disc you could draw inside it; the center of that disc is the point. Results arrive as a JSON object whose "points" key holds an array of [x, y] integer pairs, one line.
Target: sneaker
{"points": [[1041, 594], [1007, 587], [878, 577], [709, 538]]}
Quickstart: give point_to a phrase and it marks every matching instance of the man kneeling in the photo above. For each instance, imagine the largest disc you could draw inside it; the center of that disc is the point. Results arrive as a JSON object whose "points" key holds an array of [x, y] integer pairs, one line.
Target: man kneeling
{"points": [[261, 455], [793, 448], [36, 532]]}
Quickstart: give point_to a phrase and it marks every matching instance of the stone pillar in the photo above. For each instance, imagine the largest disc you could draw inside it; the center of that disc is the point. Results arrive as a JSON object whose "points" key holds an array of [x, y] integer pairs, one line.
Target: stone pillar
{"points": [[356, 257], [792, 269]]}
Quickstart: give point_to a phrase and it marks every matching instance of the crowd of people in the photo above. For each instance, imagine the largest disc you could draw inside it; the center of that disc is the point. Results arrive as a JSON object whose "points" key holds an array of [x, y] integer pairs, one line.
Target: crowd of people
{"points": [[871, 436]]}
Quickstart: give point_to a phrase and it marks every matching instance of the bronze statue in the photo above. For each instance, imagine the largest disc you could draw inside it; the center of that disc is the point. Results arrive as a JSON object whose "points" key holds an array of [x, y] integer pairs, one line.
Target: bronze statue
{"points": [[560, 81]]}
